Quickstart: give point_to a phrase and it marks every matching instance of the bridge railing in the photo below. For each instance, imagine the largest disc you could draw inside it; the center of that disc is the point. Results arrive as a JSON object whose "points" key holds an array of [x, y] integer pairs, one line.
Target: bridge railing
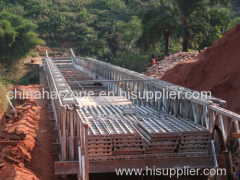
{"points": [[205, 110], [188, 108], [72, 131]]}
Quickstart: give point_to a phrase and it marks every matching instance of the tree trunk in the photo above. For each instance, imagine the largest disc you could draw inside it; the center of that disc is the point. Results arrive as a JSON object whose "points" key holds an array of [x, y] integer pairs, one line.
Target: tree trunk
{"points": [[185, 41], [166, 38]]}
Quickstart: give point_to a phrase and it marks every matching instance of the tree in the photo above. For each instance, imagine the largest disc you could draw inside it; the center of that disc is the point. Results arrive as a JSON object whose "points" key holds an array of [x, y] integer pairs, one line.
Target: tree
{"points": [[234, 22], [159, 22], [129, 32], [17, 37], [112, 29], [220, 2], [209, 25], [186, 9]]}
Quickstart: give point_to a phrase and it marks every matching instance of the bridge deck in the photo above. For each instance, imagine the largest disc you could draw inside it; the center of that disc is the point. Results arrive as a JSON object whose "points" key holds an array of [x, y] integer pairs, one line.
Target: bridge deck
{"points": [[112, 131], [125, 133]]}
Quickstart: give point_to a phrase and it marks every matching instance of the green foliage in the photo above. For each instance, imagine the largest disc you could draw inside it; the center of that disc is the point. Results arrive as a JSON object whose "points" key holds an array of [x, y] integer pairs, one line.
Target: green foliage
{"points": [[211, 26], [159, 23], [186, 8], [129, 32], [234, 22], [123, 32], [225, 3], [117, 29], [194, 23], [17, 37], [114, 4], [134, 61]]}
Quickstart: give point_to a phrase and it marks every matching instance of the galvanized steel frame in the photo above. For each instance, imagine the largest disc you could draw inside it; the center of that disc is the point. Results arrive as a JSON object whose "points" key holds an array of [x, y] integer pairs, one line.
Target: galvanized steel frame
{"points": [[209, 112]]}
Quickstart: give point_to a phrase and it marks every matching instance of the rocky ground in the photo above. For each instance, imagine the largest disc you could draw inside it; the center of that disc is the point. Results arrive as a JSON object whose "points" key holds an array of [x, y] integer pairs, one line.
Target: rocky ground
{"points": [[158, 70]]}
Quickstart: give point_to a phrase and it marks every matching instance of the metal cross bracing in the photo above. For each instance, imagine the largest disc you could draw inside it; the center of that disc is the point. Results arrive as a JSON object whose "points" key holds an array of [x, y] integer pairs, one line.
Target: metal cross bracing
{"points": [[98, 134]]}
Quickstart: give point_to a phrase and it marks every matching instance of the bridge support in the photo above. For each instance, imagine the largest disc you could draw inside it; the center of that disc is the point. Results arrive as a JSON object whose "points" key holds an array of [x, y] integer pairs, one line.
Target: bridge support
{"points": [[200, 115]]}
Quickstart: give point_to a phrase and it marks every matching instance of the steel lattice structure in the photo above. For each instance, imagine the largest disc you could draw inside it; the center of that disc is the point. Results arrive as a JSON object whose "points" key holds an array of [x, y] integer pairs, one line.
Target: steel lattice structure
{"points": [[100, 133]]}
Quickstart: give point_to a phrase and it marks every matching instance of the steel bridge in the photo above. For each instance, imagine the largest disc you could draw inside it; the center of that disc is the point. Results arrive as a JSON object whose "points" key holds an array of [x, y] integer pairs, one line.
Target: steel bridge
{"points": [[104, 121]]}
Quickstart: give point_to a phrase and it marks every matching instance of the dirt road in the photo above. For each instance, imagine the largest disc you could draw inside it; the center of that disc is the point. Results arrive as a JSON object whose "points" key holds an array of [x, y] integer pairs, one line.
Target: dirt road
{"points": [[43, 155]]}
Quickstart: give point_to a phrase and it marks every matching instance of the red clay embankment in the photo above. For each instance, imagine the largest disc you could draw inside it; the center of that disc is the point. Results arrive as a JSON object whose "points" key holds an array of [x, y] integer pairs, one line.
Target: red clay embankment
{"points": [[216, 69]]}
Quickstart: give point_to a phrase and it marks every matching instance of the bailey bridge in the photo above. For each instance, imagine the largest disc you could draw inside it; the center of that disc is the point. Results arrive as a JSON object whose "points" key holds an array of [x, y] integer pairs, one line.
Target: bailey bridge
{"points": [[111, 125]]}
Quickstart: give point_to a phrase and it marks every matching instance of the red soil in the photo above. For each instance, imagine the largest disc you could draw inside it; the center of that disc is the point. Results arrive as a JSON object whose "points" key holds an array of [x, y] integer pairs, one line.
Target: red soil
{"points": [[26, 141], [216, 69], [43, 155]]}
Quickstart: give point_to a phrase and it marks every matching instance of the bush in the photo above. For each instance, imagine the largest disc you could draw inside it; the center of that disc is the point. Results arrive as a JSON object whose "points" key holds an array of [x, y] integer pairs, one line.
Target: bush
{"points": [[17, 37], [132, 61]]}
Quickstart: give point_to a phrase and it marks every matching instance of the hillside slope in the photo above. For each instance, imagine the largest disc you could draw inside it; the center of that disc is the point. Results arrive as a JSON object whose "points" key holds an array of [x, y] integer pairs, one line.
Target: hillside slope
{"points": [[216, 70], [3, 101]]}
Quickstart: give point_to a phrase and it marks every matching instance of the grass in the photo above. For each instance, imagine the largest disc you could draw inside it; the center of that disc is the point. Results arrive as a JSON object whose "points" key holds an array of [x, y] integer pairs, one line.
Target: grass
{"points": [[10, 76]]}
